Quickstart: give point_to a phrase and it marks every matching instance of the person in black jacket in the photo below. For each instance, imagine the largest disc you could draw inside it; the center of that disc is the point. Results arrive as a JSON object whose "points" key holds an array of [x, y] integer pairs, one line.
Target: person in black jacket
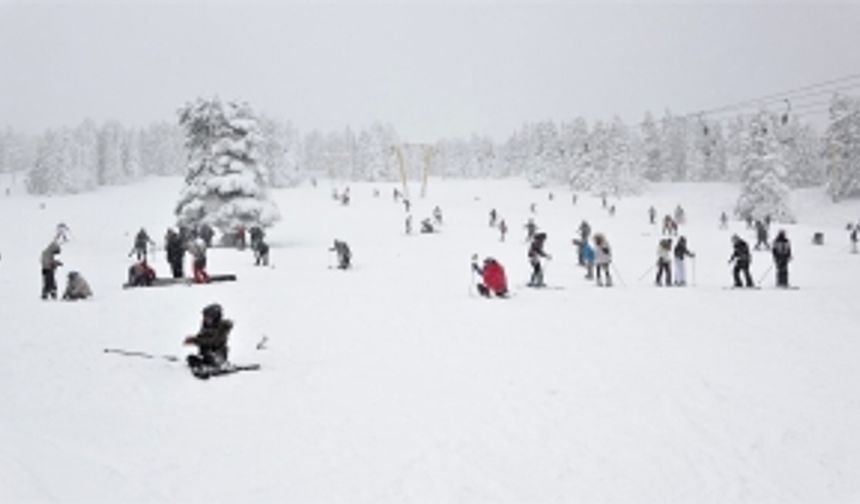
{"points": [[211, 340], [781, 251], [535, 254], [175, 247], [681, 253], [742, 258]]}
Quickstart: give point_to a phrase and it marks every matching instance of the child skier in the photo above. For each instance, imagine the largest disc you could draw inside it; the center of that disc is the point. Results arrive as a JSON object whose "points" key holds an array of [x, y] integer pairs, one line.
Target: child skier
{"points": [[535, 254], [49, 266], [664, 251], [742, 259], [602, 258], [681, 253], [211, 340], [587, 252], [781, 256], [495, 281], [141, 241]]}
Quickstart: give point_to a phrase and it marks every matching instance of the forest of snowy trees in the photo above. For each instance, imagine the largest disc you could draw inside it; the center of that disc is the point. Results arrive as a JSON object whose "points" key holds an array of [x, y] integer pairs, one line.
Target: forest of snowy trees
{"points": [[602, 157]]}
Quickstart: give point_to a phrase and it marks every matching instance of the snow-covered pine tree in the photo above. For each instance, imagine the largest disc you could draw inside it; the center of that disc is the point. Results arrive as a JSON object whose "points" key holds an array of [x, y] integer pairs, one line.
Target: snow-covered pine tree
{"points": [[652, 149], [842, 148], [801, 149], [621, 175], [279, 152], [674, 134], [225, 183], [111, 170], [764, 191]]}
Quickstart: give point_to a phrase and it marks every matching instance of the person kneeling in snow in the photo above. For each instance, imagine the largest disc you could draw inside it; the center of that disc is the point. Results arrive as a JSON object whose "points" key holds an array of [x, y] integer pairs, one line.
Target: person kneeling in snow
{"points": [[211, 340], [140, 274], [493, 276], [76, 287]]}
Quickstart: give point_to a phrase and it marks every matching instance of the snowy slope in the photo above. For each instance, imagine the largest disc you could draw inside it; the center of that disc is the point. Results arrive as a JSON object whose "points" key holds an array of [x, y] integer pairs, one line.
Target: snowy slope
{"points": [[394, 383]]}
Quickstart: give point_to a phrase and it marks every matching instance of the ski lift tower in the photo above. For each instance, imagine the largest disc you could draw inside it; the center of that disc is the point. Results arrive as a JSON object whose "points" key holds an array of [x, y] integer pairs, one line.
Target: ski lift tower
{"points": [[407, 152]]}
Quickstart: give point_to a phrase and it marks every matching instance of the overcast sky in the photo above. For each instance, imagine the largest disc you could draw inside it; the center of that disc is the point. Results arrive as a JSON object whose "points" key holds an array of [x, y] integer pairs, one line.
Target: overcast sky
{"points": [[431, 69]]}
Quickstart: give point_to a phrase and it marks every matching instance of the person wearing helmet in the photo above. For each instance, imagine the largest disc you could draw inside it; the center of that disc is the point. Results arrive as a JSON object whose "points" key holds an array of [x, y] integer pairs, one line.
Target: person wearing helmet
{"points": [[76, 287], [742, 258], [493, 275], [49, 266], [211, 340]]}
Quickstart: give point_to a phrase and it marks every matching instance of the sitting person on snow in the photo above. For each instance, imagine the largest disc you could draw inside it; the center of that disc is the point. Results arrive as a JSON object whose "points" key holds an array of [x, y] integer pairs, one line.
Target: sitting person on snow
{"points": [[76, 287], [140, 274], [344, 256], [211, 340], [427, 226], [493, 275]]}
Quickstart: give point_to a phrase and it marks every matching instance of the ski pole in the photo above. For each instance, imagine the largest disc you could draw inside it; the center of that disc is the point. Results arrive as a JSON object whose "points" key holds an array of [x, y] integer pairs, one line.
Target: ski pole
{"points": [[617, 274], [760, 280], [134, 353], [649, 270]]}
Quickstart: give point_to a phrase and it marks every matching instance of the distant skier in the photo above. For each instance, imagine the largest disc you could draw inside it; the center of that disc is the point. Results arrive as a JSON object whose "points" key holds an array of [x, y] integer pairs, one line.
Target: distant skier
{"points": [[407, 205], [761, 234], [742, 258], [396, 195], [197, 248], [207, 233], [652, 215], [261, 253], [493, 276], [408, 224], [664, 252], [680, 216], [588, 256], [533, 208], [612, 210], [49, 266], [551, 196], [603, 199], [493, 217], [535, 254], [76, 287], [602, 259], [854, 238], [344, 255], [141, 274], [503, 229], [175, 248], [531, 229], [670, 227], [256, 235], [62, 235], [573, 198], [427, 227], [141, 244], [211, 340], [724, 221], [437, 215], [681, 253], [781, 257]]}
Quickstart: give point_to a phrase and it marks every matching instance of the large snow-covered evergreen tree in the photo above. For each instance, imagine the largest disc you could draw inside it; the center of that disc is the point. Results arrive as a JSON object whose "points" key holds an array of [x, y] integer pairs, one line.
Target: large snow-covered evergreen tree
{"points": [[225, 182], [764, 191], [842, 148]]}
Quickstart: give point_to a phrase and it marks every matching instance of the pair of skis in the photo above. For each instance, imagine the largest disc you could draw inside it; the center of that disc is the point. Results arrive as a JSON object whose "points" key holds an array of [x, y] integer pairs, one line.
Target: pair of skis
{"points": [[201, 372]]}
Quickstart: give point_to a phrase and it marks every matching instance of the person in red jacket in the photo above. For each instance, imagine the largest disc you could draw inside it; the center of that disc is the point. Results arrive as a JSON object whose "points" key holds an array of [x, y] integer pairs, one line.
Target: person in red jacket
{"points": [[493, 276]]}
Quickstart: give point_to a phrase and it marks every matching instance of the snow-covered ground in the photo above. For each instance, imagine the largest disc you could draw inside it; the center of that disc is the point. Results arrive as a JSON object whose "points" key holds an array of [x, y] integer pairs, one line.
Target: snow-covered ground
{"points": [[394, 383]]}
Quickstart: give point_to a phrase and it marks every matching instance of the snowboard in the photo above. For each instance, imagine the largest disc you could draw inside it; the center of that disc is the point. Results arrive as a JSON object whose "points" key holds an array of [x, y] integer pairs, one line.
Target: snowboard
{"points": [[163, 282], [206, 372]]}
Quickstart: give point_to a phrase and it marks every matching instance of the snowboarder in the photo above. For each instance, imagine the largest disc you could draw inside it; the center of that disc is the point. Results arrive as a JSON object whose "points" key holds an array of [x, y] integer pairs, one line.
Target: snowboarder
{"points": [[495, 281], [141, 243], [197, 248], [742, 259], [681, 253], [437, 215], [761, 235], [664, 251], [503, 229], [49, 266], [531, 229], [535, 254], [76, 287], [652, 215], [602, 258], [724, 221], [781, 256], [175, 248], [343, 254], [211, 340], [140, 274]]}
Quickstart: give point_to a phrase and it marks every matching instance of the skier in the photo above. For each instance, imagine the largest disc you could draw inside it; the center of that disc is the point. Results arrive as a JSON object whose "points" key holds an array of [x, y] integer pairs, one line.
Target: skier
{"points": [[256, 234], [681, 253], [407, 205], [493, 217], [664, 251], [761, 235], [493, 276], [652, 214], [211, 340], [396, 194], [533, 208], [612, 210], [197, 248], [141, 242], [408, 224], [49, 267], [62, 235], [588, 256], [602, 258], [140, 274], [535, 254], [261, 253], [503, 229], [670, 227], [343, 254], [724, 221], [531, 229], [781, 256], [76, 287], [584, 234], [680, 216], [437, 215], [603, 199], [854, 232], [742, 258], [175, 248]]}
